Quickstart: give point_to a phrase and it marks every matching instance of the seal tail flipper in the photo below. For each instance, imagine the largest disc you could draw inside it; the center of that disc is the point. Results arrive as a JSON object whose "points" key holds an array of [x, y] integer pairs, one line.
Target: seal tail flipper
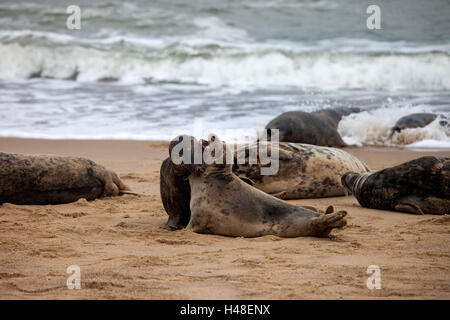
{"points": [[130, 193], [113, 185], [329, 210], [322, 226], [122, 186]]}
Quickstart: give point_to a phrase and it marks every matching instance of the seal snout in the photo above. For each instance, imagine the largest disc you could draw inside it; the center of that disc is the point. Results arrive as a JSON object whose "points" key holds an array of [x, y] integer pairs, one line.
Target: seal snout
{"points": [[348, 180]]}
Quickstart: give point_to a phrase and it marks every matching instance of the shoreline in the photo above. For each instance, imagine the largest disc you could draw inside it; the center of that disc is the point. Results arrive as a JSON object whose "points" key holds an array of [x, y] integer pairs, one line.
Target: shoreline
{"points": [[123, 252]]}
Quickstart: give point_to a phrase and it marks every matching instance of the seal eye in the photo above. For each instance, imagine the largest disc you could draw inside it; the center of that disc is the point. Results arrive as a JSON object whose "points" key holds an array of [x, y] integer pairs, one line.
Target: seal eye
{"points": [[212, 137]]}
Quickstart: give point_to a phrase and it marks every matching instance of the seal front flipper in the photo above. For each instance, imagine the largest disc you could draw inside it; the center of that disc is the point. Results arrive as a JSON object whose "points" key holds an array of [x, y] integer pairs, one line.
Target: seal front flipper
{"points": [[409, 204], [247, 181], [280, 195]]}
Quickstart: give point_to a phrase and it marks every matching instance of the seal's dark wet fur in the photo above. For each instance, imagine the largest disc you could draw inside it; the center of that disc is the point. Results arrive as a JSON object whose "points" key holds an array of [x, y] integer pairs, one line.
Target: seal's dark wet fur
{"points": [[416, 120], [420, 186], [318, 128], [176, 195]]}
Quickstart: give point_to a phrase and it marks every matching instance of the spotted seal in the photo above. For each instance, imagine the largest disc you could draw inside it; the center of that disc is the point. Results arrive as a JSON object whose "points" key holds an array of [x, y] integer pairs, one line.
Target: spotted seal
{"points": [[305, 171], [223, 204], [47, 179], [420, 186]]}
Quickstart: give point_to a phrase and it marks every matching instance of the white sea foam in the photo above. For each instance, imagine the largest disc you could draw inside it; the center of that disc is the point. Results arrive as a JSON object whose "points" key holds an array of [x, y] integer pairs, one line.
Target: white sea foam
{"points": [[373, 127], [215, 28], [328, 71], [430, 144]]}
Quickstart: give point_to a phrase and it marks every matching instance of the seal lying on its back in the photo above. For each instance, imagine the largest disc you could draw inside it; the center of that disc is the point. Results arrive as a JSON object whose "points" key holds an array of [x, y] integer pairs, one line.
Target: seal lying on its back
{"points": [[28, 179], [318, 128], [419, 186], [305, 171], [223, 204], [415, 120]]}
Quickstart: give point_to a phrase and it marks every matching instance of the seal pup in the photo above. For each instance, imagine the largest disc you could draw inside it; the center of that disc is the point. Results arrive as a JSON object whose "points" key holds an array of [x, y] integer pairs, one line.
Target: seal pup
{"points": [[420, 186], [223, 204], [318, 128], [47, 179], [305, 171], [415, 120]]}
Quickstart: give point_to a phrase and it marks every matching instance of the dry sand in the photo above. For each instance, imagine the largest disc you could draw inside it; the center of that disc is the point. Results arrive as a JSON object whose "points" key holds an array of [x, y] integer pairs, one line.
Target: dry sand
{"points": [[124, 253]]}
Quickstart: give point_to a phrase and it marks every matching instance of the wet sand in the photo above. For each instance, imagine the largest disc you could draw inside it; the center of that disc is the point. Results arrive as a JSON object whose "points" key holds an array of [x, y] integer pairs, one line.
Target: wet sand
{"points": [[123, 252]]}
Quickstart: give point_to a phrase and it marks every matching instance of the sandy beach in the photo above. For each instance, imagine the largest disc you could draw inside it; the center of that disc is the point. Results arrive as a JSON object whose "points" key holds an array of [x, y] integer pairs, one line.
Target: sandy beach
{"points": [[123, 252]]}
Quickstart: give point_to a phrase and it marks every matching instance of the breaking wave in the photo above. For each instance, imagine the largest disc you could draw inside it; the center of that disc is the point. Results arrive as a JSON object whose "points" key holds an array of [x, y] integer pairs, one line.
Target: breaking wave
{"points": [[372, 127], [30, 54]]}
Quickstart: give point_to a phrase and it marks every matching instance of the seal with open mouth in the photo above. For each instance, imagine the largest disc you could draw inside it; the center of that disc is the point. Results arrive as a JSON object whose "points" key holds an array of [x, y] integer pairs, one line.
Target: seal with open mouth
{"points": [[46, 179], [305, 171], [420, 186], [223, 204]]}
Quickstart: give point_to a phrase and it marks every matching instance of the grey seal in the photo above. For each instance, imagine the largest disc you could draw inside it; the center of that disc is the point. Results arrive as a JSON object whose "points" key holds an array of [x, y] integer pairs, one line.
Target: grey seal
{"points": [[415, 120], [318, 128], [223, 204], [420, 186], [47, 179], [305, 171]]}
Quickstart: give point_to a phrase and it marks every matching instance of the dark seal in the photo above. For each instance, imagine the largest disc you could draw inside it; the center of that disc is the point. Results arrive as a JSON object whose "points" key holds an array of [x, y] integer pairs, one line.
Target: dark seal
{"points": [[174, 187], [318, 128], [46, 179], [420, 186], [416, 120]]}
